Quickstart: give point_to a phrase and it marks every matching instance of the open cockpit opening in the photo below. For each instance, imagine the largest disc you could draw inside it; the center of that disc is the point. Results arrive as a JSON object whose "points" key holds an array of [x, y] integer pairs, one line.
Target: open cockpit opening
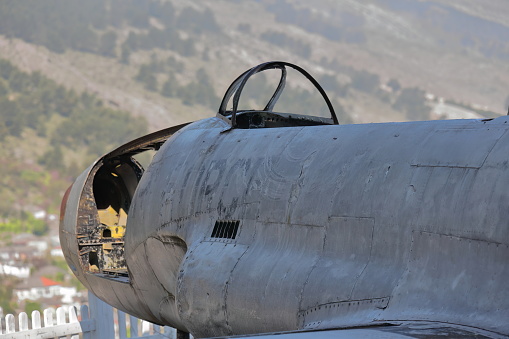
{"points": [[267, 118], [110, 189]]}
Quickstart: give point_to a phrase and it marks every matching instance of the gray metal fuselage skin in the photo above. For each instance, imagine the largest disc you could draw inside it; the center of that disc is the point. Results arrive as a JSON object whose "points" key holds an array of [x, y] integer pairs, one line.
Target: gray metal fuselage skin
{"points": [[235, 231]]}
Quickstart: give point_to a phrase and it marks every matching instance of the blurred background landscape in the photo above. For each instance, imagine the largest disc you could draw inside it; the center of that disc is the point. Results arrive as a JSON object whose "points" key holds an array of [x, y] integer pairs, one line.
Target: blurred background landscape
{"points": [[79, 78]]}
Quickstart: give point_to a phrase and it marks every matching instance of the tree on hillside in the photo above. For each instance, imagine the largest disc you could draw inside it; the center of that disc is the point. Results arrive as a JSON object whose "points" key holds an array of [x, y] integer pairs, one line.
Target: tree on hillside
{"points": [[84, 39], [131, 42], [11, 119], [200, 91], [107, 44], [18, 81], [330, 84], [170, 86], [365, 81], [6, 303], [6, 68], [184, 47], [53, 158], [394, 85], [125, 53], [4, 89], [55, 43], [244, 28], [164, 12], [198, 22], [412, 101], [285, 41], [147, 77]]}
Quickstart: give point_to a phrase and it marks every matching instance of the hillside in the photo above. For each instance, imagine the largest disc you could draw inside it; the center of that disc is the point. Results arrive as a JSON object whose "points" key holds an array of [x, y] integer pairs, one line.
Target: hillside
{"points": [[168, 62], [421, 45]]}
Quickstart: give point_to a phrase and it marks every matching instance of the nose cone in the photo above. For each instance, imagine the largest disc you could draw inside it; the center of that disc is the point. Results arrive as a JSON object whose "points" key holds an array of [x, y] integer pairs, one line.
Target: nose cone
{"points": [[63, 204]]}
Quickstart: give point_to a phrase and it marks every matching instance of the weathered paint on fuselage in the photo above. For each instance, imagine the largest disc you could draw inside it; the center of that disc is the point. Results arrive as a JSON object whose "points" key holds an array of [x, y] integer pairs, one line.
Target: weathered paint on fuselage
{"points": [[338, 226]]}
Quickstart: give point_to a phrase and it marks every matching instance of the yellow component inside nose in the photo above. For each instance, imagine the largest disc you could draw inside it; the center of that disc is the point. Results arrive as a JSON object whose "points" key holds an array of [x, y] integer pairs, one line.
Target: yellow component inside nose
{"points": [[114, 221]]}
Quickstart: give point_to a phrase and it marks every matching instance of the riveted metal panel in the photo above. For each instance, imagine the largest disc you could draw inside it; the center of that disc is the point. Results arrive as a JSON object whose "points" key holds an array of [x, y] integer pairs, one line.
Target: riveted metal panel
{"points": [[458, 274], [452, 147], [337, 314], [203, 285], [279, 260], [346, 253]]}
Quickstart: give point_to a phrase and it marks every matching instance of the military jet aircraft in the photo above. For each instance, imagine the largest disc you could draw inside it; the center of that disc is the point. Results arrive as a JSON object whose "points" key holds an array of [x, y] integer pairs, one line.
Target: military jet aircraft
{"points": [[255, 221]]}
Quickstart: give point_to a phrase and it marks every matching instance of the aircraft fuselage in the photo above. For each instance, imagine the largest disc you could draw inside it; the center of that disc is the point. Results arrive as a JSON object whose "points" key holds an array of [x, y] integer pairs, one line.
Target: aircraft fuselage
{"points": [[233, 231]]}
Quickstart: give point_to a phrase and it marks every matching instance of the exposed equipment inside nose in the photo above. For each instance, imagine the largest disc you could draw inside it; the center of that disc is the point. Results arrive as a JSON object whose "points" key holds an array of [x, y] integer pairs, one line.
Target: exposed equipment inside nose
{"points": [[107, 202]]}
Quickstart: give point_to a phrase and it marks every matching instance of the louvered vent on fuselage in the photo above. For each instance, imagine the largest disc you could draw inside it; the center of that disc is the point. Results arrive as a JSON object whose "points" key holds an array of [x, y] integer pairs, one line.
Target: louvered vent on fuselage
{"points": [[226, 229]]}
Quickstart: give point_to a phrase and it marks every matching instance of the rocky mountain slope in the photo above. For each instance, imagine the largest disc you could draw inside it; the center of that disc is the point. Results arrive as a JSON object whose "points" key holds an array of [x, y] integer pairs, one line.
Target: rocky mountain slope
{"points": [[170, 62], [453, 51]]}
